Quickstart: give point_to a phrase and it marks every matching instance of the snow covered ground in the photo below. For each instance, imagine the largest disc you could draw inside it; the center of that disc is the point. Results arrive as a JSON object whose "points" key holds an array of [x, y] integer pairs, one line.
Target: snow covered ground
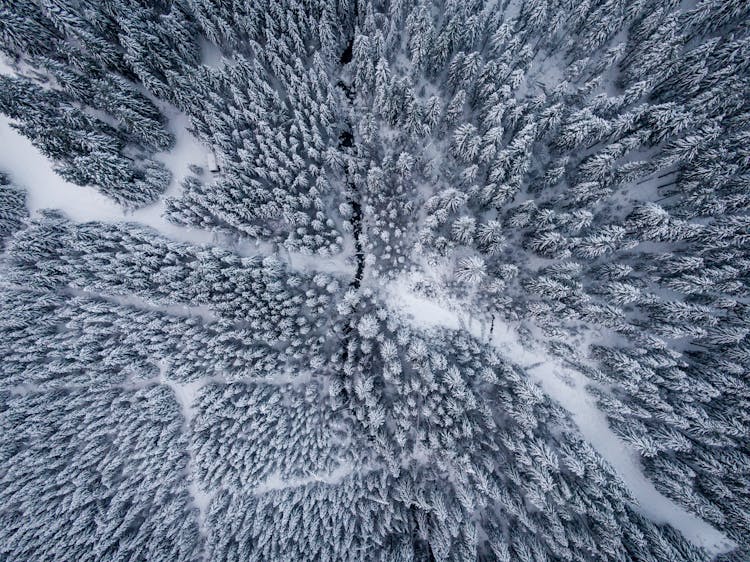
{"points": [[276, 482], [30, 169], [186, 394], [568, 388]]}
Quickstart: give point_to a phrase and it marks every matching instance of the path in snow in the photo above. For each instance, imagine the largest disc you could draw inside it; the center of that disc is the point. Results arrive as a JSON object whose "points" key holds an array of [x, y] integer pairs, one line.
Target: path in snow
{"points": [[185, 394], [276, 482], [30, 169], [549, 373]]}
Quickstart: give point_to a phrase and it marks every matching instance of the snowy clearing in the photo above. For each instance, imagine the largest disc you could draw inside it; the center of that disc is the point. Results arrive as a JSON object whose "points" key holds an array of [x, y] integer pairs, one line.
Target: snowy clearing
{"points": [[30, 169]]}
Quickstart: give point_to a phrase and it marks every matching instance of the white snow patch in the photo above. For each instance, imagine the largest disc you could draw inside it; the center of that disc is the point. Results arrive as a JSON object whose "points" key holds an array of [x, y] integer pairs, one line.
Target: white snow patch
{"points": [[186, 151], [568, 388], [338, 264], [276, 482], [5, 68], [425, 312], [511, 9], [185, 394], [211, 55], [30, 169]]}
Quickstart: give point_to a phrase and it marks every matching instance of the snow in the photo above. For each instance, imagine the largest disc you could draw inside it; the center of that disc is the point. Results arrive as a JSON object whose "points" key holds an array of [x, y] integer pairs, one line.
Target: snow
{"points": [[275, 482], [185, 394], [5, 68], [30, 169], [186, 151], [338, 264], [427, 313], [211, 54], [211, 163], [511, 9], [568, 388]]}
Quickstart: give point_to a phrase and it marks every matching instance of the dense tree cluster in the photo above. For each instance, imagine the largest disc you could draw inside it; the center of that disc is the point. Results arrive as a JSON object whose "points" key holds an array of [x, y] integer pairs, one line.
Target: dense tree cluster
{"points": [[77, 101], [126, 259], [578, 171], [96, 474], [69, 339], [247, 435], [12, 207], [419, 396], [613, 199]]}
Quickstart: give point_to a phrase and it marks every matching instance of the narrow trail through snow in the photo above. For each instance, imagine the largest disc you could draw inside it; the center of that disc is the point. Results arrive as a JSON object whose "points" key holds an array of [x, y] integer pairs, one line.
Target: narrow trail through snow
{"points": [[185, 394], [551, 375]]}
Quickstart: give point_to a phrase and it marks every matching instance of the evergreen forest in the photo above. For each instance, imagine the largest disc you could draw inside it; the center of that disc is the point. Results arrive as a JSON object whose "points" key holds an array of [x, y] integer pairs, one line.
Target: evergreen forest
{"points": [[375, 280]]}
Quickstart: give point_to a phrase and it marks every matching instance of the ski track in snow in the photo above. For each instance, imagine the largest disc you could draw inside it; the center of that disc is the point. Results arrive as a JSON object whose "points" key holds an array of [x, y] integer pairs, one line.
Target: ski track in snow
{"points": [[550, 374]]}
